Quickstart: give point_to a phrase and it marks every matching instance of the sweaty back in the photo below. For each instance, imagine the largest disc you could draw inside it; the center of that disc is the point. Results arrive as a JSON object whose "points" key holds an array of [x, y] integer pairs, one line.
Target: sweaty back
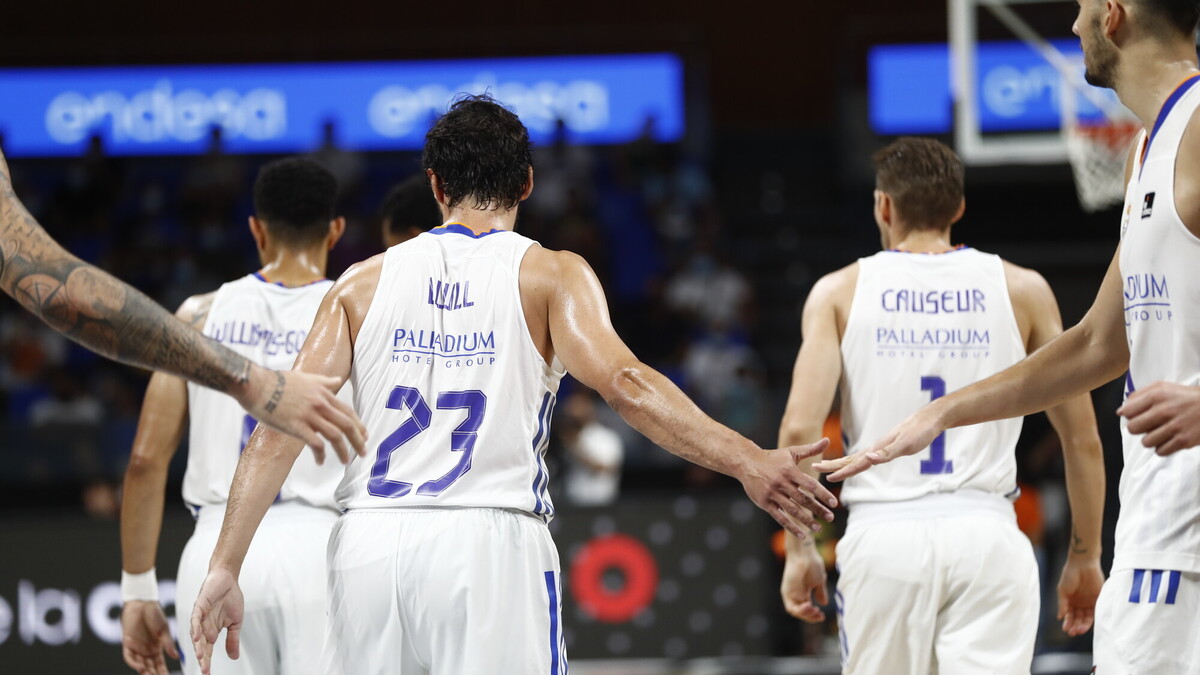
{"points": [[922, 326], [456, 399]]}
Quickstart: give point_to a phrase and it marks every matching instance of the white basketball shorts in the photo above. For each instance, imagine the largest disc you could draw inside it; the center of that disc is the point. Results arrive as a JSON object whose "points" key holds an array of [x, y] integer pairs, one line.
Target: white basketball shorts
{"points": [[450, 591], [283, 581], [942, 584], [1148, 621]]}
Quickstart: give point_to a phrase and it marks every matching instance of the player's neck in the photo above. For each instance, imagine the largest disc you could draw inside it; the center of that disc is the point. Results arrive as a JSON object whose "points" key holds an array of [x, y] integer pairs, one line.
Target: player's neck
{"points": [[923, 241], [294, 268], [480, 221], [1144, 84]]}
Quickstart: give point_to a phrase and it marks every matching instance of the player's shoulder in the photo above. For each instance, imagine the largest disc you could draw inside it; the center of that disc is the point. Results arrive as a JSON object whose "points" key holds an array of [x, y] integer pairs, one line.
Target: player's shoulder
{"points": [[195, 309], [835, 289], [552, 266], [553, 260], [1026, 286], [361, 277]]}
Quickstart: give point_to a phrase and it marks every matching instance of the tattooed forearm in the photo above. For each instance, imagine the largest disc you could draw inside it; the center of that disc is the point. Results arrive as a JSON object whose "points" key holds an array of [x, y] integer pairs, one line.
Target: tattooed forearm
{"points": [[100, 312], [276, 395]]}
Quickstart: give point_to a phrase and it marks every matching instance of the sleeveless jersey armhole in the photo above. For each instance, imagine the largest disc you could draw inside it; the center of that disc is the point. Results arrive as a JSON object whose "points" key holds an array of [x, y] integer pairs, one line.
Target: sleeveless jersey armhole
{"points": [[1012, 310], [555, 368]]}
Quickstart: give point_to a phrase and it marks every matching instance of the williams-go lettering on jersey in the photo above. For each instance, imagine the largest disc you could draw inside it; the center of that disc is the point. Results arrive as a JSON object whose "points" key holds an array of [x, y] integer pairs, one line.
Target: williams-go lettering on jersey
{"points": [[267, 323]]}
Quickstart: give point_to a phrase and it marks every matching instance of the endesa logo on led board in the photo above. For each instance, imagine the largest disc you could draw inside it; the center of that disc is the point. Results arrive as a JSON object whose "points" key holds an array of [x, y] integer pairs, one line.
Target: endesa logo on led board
{"points": [[373, 106]]}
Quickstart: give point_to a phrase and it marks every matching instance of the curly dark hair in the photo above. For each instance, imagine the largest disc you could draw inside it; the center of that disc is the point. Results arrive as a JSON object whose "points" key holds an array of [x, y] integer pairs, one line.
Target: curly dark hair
{"points": [[480, 151], [924, 178], [296, 198]]}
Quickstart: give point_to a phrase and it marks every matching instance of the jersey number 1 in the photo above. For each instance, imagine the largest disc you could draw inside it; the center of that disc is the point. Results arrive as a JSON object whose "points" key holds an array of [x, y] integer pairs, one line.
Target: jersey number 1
{"points": [[462, 439], [937, 462]]}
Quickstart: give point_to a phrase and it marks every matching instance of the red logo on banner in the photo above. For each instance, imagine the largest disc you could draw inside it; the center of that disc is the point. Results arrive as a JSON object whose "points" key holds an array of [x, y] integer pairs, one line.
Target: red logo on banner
{"points": [[621, 553]]}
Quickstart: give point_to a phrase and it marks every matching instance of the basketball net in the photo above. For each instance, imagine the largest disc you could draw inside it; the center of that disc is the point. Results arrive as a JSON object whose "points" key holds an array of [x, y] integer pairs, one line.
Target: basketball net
{"points": [[1098, 151], [1097, 147]]}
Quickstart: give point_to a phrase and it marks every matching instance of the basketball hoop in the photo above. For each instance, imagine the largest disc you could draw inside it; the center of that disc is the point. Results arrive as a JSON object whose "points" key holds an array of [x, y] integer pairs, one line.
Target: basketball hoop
{"points": [[1098, 151]]}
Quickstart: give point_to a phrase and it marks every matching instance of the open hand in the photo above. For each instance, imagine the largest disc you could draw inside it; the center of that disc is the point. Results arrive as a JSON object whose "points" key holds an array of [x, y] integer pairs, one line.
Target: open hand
{"points": [[306, 406], [218, 606], [1168, 413], [1078, 589], [803, 586], [791, 496], [910, 437], [145, 635]]}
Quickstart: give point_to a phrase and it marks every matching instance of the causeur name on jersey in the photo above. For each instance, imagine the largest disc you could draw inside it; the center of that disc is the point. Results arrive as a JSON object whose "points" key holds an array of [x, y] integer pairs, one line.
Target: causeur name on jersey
{"points": [[933, 302]]}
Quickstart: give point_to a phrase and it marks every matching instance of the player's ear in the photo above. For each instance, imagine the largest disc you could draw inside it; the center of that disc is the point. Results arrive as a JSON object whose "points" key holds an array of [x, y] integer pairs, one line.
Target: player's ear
{"points": [[528, 185], [883, 209], [1115, 17], [337, 227], [962, 208], [435, 184], [259, 232]]}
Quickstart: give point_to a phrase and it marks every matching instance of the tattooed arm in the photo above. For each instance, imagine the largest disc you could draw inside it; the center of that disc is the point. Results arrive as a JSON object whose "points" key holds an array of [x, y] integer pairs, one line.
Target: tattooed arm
{"points": [[113, 319]]}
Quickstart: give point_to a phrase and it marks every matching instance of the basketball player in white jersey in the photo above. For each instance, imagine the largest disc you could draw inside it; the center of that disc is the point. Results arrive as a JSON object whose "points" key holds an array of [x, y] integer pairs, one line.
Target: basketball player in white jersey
{"points": [[265, 316], [455, 342], [935, 577], [111, 318], [1145, 322]]}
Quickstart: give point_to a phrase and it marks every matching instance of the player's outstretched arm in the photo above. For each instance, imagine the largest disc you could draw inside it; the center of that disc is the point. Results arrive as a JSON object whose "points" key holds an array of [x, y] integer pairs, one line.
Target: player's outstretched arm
{"points": [[113, 319], [814, 383], [145, 634], [584, 340], [267, 459], [1074, 421], [1088, 355]]}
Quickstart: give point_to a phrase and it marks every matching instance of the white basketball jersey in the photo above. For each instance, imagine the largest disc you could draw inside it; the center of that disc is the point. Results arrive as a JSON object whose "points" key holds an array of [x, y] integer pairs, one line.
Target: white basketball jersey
{"points": [[266, 323], [1159, 525], [922, 326], [455, 396]]}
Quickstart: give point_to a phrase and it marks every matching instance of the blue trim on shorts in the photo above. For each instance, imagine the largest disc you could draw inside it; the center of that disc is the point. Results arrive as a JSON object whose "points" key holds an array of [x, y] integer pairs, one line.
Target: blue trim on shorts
{"points": [[1173, 586], [1135, 593], [552, 590], [1139, 579]]}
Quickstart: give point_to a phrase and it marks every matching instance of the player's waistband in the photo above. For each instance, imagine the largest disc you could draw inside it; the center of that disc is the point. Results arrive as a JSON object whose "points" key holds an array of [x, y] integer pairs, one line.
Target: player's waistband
{"points": [[419, 510], [213, 515], [958, 504]]}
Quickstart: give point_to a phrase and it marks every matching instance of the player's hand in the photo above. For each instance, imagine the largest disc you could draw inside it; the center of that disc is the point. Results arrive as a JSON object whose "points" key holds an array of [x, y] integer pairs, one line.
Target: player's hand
{"points": [[1078, 589], [219, 605], [145, 635], [910, 437], [1168, 413], [803, 586], [306, 406], [792, 497]]}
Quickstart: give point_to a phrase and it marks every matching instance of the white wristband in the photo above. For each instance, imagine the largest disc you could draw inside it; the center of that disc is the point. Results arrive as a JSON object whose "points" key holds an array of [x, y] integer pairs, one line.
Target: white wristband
{"points": [[142, 586]]}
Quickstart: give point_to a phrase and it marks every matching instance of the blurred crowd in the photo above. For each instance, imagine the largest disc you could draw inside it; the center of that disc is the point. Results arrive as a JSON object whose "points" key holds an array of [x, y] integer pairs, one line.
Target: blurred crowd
{"points": [[643, 214], [690, 299]]}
